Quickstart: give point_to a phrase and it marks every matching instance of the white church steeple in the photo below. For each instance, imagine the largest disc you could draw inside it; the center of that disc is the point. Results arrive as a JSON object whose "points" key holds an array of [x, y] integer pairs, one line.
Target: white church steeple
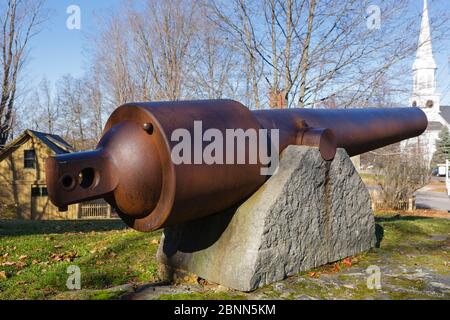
{"points": [[424, 70], [425, 94]]}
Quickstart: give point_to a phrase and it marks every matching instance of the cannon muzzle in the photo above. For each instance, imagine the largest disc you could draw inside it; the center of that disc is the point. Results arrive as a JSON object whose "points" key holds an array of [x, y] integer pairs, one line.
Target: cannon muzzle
{"points": [[160, 164]]}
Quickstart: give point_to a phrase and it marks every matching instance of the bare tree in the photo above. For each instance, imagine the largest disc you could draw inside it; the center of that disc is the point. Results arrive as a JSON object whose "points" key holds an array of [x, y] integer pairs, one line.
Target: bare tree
{"points": [[74, 109], [166, 50], [401, 176], [316, 50], [46, 111], [113, 62], [94, 108], [213, 65], [19, 22], [164, 34], [74, 121], [304, 53]]}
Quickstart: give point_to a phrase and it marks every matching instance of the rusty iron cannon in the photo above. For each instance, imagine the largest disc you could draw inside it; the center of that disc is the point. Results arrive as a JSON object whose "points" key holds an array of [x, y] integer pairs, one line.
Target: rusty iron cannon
{"points": [[134, 170]]}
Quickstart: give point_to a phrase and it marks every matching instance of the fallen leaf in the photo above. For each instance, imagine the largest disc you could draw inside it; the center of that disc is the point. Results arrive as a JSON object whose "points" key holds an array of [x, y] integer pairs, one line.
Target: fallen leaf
{"points": [[3, 275], [23, 257], [56, 257], [348, 262], [336, 268], [18, 273], [35, 261], [67, 256], [21, 265], [313, 274], [8, 264], [58, 246], [155, 241], [6, 255]]}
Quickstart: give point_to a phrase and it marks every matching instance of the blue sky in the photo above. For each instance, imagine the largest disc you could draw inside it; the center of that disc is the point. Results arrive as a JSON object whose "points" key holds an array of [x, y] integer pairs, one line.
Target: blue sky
{"points": [[57, 51]]}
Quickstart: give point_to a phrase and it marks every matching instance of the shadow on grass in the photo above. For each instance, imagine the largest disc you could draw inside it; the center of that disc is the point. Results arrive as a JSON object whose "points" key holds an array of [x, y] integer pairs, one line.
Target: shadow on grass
{"points": [[116, 273], [23, 228], [379, 232]]}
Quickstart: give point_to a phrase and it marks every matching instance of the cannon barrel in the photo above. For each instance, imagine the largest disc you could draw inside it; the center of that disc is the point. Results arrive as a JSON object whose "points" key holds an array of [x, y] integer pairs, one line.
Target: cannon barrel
{"points": [[134, 170]]}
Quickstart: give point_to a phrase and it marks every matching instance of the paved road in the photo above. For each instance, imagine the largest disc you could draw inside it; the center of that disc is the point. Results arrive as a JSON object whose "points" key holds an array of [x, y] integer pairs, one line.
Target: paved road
{"points": [[426, 199]]}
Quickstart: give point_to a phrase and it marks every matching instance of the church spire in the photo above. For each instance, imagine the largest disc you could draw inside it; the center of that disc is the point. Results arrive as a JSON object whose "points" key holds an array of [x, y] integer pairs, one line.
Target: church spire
{"points": [[424, 68], [424, 58]]}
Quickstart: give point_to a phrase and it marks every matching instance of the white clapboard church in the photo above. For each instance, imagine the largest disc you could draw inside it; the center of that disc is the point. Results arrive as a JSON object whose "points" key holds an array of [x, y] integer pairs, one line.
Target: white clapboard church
{"points": [[425, 94]]}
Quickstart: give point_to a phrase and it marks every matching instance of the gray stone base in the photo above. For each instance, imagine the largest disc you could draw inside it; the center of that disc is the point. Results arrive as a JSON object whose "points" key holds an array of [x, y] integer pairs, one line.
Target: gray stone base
{"points": [[310, 213]]}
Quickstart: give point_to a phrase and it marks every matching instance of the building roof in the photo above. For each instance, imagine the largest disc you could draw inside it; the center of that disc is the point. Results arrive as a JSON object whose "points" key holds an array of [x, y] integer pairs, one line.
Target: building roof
{"points": [[54, 142], [434, 125], [445, 113], [57, 144]]}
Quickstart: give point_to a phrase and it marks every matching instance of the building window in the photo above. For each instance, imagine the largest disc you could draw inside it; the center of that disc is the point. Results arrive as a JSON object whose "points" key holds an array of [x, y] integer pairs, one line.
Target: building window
{"points": [[39, 192], [29, 157]]}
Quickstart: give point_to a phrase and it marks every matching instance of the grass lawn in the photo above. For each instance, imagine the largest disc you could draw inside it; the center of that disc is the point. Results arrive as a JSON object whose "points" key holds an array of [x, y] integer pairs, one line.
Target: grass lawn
{"points": [[34, 257]]}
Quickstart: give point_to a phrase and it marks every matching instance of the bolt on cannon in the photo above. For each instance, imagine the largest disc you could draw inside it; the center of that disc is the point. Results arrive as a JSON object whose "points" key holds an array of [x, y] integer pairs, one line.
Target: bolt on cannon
{"points": [[164, 163]]}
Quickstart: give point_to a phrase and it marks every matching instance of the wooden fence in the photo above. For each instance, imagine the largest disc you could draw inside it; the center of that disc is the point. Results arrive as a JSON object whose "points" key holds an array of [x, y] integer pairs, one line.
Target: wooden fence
{"points": [[92, 210], [403, 205]]}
